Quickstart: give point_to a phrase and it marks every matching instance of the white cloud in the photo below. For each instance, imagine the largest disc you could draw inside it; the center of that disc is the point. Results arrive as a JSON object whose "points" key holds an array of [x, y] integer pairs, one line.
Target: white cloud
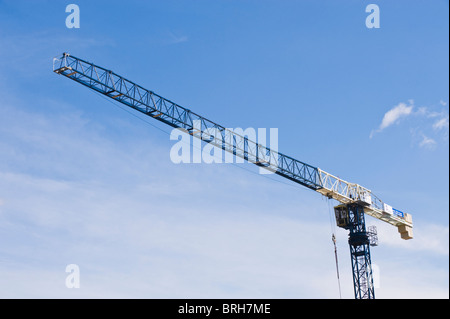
{"points": [[427, 142], [441, 124], [139, 244], [144, 227], [428, 124], [423, 110], [141, 227], [174, 39], [394, 115], [429, 238]]}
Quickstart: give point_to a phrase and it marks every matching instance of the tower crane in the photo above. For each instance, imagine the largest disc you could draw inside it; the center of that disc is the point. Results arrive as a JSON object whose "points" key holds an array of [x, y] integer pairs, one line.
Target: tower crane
{"points": [[355, 200]]}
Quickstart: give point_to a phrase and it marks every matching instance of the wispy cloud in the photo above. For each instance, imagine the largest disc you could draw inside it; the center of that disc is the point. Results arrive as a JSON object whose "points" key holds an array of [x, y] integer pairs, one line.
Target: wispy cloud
{"points": [[427, 124], [441, 124], [394, 115], [119, 212], [428, 237], [174, 38], [427, 142]]}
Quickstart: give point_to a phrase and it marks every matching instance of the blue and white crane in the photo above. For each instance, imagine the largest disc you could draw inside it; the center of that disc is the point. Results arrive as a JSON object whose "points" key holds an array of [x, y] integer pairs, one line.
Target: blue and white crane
{"points": [[356, 200]]}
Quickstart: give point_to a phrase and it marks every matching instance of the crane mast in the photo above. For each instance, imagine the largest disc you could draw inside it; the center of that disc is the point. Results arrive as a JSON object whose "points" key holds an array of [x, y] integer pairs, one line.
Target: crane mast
{"points": [[356, 200]]}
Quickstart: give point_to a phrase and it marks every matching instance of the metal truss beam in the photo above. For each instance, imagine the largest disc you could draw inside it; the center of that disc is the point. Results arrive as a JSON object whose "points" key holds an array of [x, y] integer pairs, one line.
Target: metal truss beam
{"points": [[151, 104], [145, 101]]}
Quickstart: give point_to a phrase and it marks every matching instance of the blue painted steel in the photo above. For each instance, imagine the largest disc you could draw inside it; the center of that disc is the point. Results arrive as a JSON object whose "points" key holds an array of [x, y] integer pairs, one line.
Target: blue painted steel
{"points": [[398, 213], [126, 92], [359, 242]]}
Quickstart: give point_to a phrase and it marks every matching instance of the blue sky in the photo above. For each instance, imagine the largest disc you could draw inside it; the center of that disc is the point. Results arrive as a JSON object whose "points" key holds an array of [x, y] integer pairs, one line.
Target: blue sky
{"points": [[84, 182]]}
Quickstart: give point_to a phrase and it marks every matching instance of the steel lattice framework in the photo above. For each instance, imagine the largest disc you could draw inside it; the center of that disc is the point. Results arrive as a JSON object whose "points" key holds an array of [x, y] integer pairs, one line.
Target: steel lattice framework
{"points": [[359, 242], [120, 89], [357, 200]]}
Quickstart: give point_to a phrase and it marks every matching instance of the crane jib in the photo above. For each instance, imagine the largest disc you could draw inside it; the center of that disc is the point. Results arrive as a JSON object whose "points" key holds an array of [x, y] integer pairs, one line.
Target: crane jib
{"points": [[151, 104]]}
